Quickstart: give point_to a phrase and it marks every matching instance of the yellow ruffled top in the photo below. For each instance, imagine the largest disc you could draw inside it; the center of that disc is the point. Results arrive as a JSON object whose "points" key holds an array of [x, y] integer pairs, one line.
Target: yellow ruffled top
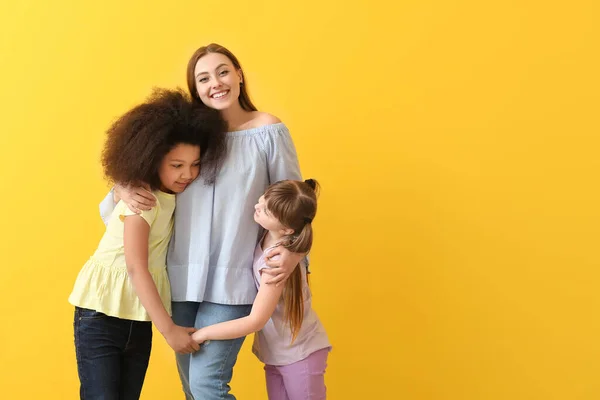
{"points": [[103, 283]]}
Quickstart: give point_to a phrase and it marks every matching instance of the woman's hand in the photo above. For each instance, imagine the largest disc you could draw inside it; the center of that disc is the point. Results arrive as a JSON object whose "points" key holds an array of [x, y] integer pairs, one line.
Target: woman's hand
{"points": [[282, 263], [138, 199], [180, 339]]}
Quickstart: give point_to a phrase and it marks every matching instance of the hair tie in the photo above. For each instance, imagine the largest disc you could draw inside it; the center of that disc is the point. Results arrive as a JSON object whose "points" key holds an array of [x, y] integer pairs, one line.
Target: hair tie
{"points": [[307, 220], [311, 182]]}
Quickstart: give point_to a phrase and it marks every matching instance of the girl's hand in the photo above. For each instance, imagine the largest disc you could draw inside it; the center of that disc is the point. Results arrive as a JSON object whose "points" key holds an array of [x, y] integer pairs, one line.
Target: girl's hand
{"points": [[199, 336], [282, 263], [138, 199], [180, 339]]}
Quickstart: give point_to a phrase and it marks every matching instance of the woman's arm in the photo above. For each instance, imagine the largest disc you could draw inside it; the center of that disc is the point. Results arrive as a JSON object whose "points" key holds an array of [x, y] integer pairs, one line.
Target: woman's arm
{"points": [[283, 164], [282, 158], [135, 243], [282, 263], [107, 205], [262, 309], [138, 199]]}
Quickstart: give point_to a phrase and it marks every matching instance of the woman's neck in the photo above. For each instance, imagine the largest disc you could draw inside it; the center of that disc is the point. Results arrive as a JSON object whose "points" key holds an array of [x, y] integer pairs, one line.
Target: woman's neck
{"points": [[236, 117]]}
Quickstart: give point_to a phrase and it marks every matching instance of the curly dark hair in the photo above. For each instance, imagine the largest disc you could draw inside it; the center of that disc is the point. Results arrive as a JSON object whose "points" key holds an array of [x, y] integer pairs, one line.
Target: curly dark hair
{"points": [[139, 140]]}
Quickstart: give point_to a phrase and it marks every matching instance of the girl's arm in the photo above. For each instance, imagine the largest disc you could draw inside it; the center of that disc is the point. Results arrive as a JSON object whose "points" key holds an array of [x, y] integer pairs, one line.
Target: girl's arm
{"points": [[135, 242], [262, 309]]}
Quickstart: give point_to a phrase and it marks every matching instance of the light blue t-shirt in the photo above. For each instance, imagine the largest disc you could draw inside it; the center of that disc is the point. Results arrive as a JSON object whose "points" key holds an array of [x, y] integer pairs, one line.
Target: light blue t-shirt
{"points": [[211, 253]]}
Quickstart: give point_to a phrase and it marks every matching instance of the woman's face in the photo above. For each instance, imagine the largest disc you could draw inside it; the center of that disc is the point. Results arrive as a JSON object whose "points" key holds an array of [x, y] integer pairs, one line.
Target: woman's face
{"points": [[217, 81]]}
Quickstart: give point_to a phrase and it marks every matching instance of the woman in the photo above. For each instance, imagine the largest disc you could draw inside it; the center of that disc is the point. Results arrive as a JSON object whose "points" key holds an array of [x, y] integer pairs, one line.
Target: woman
{"points": [[211, 254]]}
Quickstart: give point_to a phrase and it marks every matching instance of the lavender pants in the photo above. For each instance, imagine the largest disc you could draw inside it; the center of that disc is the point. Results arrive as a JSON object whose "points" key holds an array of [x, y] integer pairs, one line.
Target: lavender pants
{"points": [[302, 380]]}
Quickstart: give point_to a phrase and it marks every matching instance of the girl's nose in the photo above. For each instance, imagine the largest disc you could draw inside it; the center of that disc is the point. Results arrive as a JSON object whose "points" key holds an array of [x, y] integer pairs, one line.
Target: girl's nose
{"points": [[187, 173]]}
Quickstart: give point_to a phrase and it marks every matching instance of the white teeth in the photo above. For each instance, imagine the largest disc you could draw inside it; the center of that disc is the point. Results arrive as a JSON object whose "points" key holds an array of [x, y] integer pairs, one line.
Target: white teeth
{"points": [[219, 95]]}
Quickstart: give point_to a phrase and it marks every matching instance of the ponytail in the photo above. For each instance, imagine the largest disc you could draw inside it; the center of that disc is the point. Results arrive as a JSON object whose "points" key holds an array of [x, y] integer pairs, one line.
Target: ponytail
{"points": [[294, 204]]}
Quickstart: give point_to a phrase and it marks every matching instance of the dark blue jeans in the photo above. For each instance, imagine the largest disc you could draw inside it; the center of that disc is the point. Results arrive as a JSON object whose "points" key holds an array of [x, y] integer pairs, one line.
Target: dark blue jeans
{"points": [[112, 355]]}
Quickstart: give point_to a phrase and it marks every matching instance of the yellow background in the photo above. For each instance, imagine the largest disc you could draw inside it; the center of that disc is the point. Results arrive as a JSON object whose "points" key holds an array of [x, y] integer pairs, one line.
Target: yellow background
{"points": [[456, 254]]}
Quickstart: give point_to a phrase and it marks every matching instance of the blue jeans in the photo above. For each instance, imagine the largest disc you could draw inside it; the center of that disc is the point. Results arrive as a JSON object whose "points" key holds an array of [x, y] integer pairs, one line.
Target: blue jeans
{"points": [[112, 355], [206, 374]]}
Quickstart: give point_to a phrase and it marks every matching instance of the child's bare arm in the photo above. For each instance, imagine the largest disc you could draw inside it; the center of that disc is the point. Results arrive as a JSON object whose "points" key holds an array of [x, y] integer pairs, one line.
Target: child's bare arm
{"points": [[136, 235], [262, 309]]}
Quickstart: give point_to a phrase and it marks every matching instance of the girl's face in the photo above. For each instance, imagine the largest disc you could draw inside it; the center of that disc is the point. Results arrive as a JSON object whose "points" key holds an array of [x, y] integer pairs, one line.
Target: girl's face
{"points": [[217, 81], [264, 218], [179, 168]]}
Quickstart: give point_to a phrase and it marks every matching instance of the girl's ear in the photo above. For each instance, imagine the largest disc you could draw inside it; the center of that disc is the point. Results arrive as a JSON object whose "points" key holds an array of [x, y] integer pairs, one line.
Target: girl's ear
{"points": [[287, 231]]}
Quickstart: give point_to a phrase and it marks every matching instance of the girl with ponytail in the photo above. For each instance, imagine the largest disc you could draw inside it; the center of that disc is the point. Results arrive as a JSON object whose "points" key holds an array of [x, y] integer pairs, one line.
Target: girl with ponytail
{"points": [[290, 339]]}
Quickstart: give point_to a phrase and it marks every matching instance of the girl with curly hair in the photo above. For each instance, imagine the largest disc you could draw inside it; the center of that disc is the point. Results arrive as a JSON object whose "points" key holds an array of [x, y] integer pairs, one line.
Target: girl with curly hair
{"points": [[163, 144]]}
